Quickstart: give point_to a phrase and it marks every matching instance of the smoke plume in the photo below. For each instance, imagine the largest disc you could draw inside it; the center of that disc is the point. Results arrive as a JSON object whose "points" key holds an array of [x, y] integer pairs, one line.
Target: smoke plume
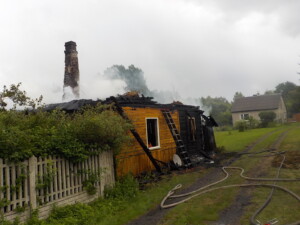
{"points": [[135, 81]]}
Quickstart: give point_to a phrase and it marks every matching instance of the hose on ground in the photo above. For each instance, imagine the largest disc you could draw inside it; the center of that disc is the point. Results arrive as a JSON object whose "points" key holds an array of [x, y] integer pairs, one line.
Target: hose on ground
{"points": [[268, 200], [224, 169]]}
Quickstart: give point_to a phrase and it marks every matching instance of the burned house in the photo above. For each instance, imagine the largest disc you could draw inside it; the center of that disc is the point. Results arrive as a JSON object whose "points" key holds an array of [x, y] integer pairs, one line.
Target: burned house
{"points": [[160, 133], [166, 130]]}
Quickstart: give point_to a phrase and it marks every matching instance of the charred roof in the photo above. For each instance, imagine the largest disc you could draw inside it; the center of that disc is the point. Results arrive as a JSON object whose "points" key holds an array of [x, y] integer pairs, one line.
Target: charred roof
{"points": [[131, 100]]}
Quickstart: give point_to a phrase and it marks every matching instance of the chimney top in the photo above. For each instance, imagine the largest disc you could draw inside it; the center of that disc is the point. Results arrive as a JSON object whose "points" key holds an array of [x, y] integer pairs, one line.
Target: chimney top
{"points": [[70, 43], [70, 47]]}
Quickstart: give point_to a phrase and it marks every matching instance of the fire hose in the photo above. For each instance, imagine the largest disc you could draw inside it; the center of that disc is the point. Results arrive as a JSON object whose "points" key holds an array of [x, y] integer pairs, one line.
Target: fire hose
{"points": [[202, 190]]}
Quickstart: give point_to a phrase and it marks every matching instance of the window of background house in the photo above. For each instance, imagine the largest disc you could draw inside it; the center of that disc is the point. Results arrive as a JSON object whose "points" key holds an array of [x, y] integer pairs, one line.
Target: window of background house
{"points": [[245, 116], [152, 132], [192, 128]]}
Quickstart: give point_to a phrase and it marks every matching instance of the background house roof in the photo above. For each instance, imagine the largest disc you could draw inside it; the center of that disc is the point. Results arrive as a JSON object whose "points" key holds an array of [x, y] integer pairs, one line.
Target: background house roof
{"points": [[256, 103]]}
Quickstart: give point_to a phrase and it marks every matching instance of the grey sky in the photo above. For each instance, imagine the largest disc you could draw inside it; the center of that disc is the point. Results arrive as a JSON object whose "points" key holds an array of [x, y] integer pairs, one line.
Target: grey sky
{"points": [[195, 47]]}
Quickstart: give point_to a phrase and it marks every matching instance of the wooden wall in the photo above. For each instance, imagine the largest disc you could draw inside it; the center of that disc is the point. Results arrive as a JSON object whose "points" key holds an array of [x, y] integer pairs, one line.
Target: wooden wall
{"points": [[132, 158], [193, 146]]}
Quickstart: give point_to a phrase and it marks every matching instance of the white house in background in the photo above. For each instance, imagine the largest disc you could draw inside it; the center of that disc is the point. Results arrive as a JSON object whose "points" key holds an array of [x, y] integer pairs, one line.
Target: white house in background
{"points": [[243, 108]]}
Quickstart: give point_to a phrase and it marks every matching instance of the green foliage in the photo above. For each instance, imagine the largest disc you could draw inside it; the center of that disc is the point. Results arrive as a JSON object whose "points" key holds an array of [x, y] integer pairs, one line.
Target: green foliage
{"points": [[266, 117], [18, 97], [252, 123], [238, 95], [284, 88], [4, 202], [223, 128], [269, 92], [20, 209], [44, 181], [34, 218], [75, 137], [291, 95], [241, 125], [126, 188], [293, 101], [91, 180], [78, 213], [220, 109]]}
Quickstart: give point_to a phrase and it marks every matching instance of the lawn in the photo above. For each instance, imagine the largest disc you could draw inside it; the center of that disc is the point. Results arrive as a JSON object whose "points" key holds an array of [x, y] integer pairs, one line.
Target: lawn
{"points": [[206, 208], [283, 207], [235, 141]]}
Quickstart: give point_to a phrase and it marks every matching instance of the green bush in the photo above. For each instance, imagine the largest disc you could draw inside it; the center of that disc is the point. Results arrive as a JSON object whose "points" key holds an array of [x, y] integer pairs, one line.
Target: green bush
{"points": [[241, 125], [126, 188], [253, 123], [72, 136], [266, 117], [223, 128], [78, 213]]}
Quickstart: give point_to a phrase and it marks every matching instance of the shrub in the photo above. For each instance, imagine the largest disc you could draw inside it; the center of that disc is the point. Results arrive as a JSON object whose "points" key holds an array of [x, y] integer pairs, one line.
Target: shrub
{"points": [[266, 117], [253, 123], [223, 128], [72, 136], [126, 188], [241, 125]]}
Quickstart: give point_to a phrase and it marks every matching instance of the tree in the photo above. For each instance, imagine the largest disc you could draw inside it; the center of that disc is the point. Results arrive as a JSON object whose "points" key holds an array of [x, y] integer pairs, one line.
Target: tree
{"points": [[291, 95], [269, 92], [285, 88], [266, 117], [18, 97], [132, 76], [293, 101], [220, 109], [237, 95]]}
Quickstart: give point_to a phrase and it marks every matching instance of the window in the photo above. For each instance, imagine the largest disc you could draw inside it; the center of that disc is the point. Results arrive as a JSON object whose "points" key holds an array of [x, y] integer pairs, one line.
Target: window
{"points": [[192, 128], [245, 116], [152, 133]]}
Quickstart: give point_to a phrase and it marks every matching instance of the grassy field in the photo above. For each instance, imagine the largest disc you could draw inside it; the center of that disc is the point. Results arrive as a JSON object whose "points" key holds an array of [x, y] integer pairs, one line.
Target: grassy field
{"points": [[205, 208], [283, 207], [235, 141]]}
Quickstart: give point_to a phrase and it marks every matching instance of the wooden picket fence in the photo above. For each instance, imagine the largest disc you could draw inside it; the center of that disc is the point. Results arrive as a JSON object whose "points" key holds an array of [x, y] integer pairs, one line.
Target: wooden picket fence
{"points": [[39, 183]]}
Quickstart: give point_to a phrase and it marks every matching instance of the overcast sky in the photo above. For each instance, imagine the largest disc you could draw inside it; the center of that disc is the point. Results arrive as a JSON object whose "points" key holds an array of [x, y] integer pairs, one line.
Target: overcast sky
{"points": [[194, 47]]}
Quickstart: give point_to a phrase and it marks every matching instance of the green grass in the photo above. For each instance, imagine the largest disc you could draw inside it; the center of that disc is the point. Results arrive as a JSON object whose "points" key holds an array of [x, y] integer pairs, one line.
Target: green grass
{"points": [[120, 207], [234, 141], [283, 207], [147, 199], [205, 209]]}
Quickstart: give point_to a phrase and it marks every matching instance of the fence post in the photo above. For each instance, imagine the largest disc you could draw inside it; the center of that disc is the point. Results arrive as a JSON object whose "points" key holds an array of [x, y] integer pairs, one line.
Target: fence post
{"points": [[32, 182]]}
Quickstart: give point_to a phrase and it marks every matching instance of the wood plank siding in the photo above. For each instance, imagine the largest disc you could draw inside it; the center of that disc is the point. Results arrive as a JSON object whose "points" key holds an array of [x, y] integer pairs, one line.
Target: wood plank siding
{"points": [[132, 158]]}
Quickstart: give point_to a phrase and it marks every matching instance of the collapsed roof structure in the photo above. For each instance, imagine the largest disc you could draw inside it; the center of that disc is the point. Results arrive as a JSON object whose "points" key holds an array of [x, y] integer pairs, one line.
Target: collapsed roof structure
{"points": [[160, 132]]}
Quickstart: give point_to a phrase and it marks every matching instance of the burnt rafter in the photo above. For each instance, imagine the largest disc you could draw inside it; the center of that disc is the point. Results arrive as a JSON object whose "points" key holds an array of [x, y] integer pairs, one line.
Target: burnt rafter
{"points": [[137, 136]]}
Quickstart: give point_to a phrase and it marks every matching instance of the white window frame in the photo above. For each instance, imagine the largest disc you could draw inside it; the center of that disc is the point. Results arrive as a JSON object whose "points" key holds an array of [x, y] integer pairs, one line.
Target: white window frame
{"points": [[158, 137], [243, 116]]}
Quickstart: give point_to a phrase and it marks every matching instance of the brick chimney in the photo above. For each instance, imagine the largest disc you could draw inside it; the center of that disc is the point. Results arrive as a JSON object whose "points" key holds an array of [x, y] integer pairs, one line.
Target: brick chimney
{"points": [[71, 78]]}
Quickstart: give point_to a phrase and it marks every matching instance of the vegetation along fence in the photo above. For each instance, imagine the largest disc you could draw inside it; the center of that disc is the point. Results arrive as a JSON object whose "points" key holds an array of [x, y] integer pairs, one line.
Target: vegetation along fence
{"points": [[39, 183]]}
